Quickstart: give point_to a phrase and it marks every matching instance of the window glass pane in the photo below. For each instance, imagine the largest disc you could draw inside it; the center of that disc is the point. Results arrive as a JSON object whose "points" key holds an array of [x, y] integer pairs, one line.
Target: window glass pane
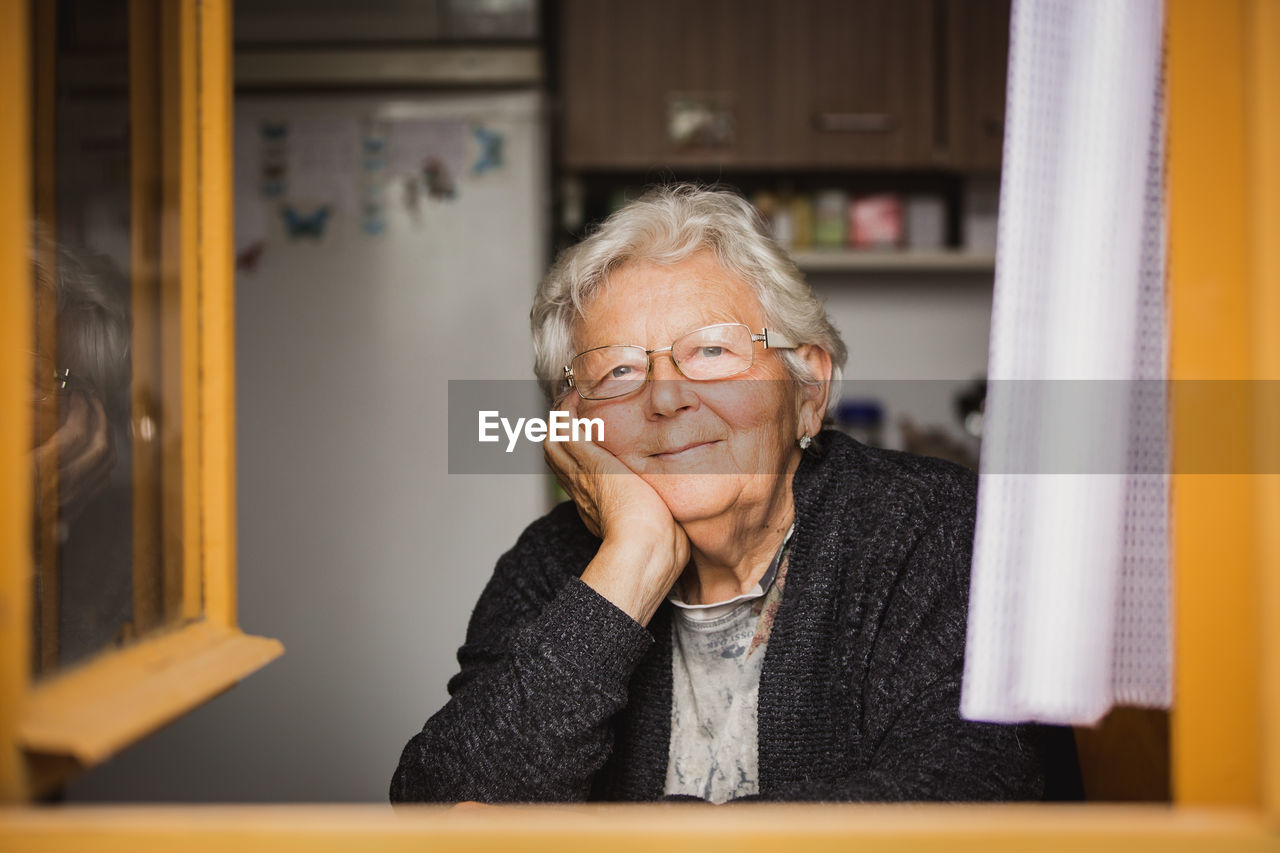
{"points": [[105, 423]]}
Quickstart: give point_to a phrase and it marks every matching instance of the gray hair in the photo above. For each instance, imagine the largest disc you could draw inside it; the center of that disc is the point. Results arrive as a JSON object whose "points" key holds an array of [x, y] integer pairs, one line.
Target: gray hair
{"points": [[93, 326], [667, 225]]}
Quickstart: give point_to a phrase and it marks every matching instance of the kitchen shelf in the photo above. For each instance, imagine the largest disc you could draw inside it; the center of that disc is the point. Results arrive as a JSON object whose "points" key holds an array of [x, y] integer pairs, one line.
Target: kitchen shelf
{"points": [[837, 260]]}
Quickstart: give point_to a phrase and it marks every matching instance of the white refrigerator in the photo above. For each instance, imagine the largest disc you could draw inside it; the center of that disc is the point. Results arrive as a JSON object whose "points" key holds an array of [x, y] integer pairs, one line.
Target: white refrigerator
{"points": [[386, 245]]}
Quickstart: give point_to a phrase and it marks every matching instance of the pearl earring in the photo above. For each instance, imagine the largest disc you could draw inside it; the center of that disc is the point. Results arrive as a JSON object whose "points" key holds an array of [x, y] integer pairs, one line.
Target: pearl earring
{"points": [[805, 441]]}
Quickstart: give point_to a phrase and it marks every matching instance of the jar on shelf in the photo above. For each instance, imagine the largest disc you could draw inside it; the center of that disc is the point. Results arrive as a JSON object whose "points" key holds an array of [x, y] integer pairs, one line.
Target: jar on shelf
{"points": [[829, 212]]}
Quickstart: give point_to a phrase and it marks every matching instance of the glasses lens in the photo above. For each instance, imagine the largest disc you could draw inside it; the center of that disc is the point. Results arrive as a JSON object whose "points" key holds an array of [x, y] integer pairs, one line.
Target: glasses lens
{"points": [[715, 352], [609, 371]]}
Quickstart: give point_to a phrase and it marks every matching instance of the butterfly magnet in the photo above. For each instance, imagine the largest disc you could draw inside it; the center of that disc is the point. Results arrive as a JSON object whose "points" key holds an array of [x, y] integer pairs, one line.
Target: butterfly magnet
{"points": [[490, 145], [310, 225]]}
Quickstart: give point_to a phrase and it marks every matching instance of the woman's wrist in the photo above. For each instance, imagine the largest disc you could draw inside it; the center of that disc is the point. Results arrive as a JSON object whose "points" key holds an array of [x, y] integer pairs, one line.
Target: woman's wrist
{"points": [[633, 575]]}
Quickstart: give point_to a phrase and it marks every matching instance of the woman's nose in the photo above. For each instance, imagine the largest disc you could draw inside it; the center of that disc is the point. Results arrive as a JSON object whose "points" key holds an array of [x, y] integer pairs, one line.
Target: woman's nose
{"points": [[669, 390]]}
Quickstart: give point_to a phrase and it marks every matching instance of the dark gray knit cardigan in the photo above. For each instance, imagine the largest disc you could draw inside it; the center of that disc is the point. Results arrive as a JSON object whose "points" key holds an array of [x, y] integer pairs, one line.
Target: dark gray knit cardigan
{"points": [[563, 697]]}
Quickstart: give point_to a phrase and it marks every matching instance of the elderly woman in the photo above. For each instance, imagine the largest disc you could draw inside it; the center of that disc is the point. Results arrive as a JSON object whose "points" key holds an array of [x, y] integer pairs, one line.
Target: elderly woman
{"points": [[736, 604]]}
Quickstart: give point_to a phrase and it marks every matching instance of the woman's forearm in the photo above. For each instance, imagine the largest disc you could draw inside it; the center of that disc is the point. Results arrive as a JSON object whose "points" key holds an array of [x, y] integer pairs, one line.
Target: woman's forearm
{"points": [[529, 721], [635, 575]]}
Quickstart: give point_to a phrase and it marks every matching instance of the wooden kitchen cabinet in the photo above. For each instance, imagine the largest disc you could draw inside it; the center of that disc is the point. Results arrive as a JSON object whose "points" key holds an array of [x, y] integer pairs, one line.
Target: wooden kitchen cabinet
{"points": [[623, 63], [773, 83], [977, 65], [869, 98]]}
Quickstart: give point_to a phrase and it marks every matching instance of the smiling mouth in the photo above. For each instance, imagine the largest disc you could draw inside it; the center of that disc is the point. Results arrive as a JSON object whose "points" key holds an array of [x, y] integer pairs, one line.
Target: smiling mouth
{"points": [[679, 452]]}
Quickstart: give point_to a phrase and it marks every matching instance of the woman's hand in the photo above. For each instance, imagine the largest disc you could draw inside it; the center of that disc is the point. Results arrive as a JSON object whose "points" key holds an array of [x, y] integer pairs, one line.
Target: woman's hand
{"points": [[81, 453], [644, 548]]}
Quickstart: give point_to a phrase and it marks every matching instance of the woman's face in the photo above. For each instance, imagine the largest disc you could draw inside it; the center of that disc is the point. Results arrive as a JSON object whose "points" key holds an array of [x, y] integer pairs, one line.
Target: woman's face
{"points": [[710, 449]]}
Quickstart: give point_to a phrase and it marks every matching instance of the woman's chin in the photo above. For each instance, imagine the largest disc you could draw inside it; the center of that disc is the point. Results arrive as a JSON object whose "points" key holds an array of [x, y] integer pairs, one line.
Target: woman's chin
{"points": [[693, 497]]}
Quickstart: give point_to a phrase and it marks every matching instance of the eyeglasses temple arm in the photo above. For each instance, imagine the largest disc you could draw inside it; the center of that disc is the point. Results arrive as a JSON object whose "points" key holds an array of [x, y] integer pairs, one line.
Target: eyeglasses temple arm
{"points": [[773, 340]]}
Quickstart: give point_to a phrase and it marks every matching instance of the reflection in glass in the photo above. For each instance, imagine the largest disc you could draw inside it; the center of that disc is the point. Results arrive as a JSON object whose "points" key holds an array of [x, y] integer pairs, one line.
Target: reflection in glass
{"points": [[106, 547], [83, 506]]}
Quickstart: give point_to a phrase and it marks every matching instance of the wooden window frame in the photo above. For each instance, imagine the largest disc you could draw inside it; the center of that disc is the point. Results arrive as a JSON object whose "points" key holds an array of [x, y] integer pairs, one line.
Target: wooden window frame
{"points": [[1224, 192], [55, 727]]}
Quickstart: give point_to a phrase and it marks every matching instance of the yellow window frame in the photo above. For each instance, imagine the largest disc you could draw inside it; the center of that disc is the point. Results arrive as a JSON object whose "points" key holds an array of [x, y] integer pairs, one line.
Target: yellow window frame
{"points": [[57, 726], [1224, 197]]}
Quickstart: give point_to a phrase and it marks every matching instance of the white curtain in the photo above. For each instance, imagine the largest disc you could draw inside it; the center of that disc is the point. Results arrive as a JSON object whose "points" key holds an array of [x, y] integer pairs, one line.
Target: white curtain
{"points": [[1070, 600]]}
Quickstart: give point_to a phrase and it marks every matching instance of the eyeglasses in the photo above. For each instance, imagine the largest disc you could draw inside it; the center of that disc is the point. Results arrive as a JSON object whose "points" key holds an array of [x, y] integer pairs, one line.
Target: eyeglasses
{"points": [[62, 381], [712, 352]]}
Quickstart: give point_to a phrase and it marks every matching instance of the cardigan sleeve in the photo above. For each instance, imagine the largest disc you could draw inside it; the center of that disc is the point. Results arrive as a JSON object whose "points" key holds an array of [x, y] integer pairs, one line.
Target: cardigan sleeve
{"points": [[529, 713]]}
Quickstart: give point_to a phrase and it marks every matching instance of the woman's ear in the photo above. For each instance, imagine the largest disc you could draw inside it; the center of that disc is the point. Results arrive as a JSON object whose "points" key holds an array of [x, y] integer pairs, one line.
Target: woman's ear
{"points": [[813, 396]]}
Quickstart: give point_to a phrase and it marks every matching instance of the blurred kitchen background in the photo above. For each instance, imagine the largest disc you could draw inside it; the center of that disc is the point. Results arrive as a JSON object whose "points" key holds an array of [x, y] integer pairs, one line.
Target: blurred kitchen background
{"points": [[405, 171]]}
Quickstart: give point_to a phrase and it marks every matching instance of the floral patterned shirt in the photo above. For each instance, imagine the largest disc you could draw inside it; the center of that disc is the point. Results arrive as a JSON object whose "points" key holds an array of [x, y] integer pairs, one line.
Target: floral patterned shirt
{"points": [[715, 667]]}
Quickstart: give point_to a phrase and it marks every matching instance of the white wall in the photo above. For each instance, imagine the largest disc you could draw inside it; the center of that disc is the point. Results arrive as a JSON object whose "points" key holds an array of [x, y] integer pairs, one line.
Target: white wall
{"points": [[918, 337]]}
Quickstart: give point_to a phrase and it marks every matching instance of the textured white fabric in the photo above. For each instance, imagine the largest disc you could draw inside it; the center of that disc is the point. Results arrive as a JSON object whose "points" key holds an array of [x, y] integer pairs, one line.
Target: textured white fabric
{"points": [[1069, 606], [717, 658]]}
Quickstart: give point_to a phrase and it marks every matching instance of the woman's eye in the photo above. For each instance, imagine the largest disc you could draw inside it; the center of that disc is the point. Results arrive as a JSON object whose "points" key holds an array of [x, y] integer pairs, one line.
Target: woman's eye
{"points": [[710, 352], [620, 372]]}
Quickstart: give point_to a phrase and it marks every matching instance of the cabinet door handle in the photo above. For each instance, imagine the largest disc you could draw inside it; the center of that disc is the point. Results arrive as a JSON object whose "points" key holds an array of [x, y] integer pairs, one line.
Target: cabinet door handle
{"points": [[854, 123]]}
